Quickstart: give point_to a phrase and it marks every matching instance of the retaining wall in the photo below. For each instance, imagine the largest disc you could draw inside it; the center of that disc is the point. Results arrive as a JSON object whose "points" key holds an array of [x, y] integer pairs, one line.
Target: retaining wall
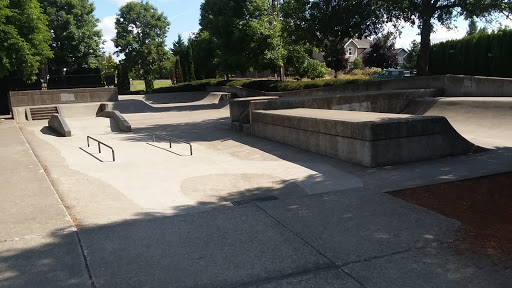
{"points": [[62, 96]]}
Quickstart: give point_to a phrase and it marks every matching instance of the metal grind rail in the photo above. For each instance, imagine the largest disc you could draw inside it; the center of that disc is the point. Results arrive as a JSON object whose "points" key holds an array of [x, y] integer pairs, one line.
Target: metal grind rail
{"points": [[171, 139], [99, 147]]}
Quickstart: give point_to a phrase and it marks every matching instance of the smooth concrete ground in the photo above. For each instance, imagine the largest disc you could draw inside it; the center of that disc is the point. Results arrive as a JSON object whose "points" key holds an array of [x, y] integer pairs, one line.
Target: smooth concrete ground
{"points": [[159, 218]]}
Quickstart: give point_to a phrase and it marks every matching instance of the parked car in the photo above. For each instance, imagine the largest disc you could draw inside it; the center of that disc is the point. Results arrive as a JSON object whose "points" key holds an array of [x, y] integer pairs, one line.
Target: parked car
{"points": [[394, 73]]}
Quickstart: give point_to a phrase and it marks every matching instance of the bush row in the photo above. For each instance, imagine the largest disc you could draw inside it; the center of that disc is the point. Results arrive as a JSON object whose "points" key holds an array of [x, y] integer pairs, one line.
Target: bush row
{"points": [[262, 85], [480, 54]]}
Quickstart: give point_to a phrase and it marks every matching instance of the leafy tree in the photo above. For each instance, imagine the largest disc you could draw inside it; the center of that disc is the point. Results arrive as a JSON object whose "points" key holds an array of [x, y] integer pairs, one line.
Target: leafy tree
{"points": [[140, 34], [247, 33], [109, 65], [205, 55], [335, 59], [424, 12], [411, 59], [178, 72], [76, 40], [123, 78], [25, 38], [382, 53], [357, 64], [190, 65]]}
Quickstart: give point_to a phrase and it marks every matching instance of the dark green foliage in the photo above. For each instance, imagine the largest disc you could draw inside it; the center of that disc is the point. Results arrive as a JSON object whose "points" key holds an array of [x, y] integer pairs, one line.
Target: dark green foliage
{"points": [[205, 55], [472, 27], [479, 54], [178, 72], [382, 53], [76, 39], [199, 85], [123, 80], [190, 64], [335, 59]]}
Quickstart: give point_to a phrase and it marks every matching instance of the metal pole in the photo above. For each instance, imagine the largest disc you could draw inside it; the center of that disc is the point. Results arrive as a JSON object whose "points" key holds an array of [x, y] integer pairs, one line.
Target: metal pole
{"points": [[99, 147]]}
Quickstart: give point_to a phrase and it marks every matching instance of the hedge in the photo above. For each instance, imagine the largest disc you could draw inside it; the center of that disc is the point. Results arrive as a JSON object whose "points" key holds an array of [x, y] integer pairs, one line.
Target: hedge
{"points": [[480, 54]]}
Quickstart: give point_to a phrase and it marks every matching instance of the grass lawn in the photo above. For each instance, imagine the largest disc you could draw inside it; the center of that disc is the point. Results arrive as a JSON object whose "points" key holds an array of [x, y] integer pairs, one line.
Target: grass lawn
{"points": [[138, 85]]}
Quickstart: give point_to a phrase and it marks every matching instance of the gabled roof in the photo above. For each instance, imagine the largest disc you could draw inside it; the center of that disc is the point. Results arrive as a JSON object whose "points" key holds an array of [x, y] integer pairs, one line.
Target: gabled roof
{"points": [[361, 43]]}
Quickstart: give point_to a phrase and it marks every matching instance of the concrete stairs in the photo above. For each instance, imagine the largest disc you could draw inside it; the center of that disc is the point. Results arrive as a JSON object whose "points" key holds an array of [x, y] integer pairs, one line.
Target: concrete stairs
{"points": [[43, 113]]}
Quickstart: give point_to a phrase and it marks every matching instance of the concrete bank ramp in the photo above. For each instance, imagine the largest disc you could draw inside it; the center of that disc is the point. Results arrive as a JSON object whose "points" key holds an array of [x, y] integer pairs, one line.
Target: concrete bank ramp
{"points": [[92, 125], [485, 121], [186, 98], [365, 138]]}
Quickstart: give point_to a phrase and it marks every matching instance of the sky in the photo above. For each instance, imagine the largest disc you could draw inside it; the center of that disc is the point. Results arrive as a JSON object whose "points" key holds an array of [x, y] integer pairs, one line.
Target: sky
{"points": [[184, 18]]}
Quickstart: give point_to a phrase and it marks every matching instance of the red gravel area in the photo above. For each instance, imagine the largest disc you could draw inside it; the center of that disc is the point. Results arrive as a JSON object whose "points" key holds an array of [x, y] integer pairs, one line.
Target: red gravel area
{"points": [[483, 205]]}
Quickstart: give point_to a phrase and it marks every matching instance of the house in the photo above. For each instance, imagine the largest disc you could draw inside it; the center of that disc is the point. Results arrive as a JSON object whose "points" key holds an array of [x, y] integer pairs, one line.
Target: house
{"points": [[400, 54], [357, 48]]}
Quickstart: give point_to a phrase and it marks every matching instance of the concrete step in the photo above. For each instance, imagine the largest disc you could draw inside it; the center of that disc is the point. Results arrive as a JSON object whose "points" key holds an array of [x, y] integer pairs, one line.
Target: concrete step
{"points": [[43, 113]]}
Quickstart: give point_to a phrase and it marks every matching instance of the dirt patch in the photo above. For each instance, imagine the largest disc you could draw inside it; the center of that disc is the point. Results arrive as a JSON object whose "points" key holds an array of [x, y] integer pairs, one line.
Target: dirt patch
{"points": [[483, 205]]}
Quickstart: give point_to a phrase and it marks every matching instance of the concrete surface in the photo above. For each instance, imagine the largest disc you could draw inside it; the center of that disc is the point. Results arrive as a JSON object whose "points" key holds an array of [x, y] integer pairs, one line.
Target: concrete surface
{"points": [[59, 124], [368, 139], [62, 96], [156, 218], [485, 121], [38, 244], [121, 122]]}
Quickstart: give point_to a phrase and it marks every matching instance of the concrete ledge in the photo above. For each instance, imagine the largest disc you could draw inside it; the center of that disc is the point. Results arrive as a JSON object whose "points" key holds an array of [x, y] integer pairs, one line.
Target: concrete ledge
{"points": [[239, 107], [368, 139], [59, 124], [389, 101], [123, 124], [62, 96]]}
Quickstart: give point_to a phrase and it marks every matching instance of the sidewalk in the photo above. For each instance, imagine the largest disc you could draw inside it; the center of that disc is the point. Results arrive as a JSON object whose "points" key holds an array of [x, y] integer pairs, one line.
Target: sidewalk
{"points": [[31, 219]]}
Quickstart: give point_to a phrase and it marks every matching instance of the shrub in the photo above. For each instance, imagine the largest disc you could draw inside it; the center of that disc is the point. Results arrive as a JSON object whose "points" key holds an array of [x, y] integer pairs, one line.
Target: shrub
{"points": [[358, 64], [366, 71]]}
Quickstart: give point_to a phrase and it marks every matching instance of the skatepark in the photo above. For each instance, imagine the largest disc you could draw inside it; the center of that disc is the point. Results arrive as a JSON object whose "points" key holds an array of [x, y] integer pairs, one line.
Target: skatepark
{"points": [[188, 201]]}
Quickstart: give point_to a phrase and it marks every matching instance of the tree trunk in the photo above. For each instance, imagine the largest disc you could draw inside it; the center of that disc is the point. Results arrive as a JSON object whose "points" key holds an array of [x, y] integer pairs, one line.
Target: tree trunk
{"points": [[426, 30], [282, 73]]}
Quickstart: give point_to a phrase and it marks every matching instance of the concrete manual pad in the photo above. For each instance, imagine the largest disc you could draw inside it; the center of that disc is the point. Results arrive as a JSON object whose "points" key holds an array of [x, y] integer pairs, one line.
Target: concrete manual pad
{"points": [[357, 225], [332, 278], [225, 247], [431, 267], [54, 261]]}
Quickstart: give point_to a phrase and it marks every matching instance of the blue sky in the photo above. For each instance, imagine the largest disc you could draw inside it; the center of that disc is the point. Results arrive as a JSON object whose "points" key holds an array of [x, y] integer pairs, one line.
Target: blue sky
{"points": [[184, 18]]}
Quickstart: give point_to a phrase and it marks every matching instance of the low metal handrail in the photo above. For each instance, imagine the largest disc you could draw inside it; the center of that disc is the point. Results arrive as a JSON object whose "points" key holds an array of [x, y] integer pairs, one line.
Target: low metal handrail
{"points": [[170, 140], [99, 147]]}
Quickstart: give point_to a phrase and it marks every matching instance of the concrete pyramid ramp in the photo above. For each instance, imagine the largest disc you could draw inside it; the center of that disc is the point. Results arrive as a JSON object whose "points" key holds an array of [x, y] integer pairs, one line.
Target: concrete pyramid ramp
{"points": [[485, 121]]}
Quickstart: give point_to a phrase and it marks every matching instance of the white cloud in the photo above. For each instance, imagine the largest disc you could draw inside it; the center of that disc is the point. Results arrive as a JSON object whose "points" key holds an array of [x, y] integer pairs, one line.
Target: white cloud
{"points": [[107, 27], [120, 2], [440, 34]]}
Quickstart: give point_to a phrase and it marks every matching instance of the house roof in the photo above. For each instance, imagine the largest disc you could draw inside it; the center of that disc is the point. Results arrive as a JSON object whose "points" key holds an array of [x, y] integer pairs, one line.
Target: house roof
{"points": [[361, 43]]}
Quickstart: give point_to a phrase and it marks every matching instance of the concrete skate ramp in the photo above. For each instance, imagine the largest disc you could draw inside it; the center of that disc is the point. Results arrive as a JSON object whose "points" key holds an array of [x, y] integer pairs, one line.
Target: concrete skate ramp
{"points": [[166, 102], [365, 138], [189, 98], [485, 121]]}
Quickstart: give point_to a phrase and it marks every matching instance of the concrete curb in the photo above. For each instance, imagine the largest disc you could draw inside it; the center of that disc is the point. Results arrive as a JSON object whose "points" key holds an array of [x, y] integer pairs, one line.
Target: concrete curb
{"points": [[59, 124]]}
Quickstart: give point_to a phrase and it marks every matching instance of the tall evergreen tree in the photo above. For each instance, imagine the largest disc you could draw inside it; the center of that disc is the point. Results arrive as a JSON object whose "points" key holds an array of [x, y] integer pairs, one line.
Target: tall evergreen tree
{"points": [[76, 38], [179, 49], [190, 64], [178, 71]]}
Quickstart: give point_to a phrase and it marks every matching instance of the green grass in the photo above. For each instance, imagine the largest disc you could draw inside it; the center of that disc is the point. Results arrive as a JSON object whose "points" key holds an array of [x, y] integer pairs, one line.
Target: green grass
{"points": [[138, 85]]}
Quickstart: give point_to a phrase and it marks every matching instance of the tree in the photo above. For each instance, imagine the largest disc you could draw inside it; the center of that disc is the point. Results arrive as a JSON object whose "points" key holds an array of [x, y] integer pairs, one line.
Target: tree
{"points": [[247, 33], [178, 72], [382, 53], [190, 64], [205, 55], [472, 27], [411, 59], [109, 65], [424, 12], [140, 34], [179, 49], [76, 40], [25, 38]]}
